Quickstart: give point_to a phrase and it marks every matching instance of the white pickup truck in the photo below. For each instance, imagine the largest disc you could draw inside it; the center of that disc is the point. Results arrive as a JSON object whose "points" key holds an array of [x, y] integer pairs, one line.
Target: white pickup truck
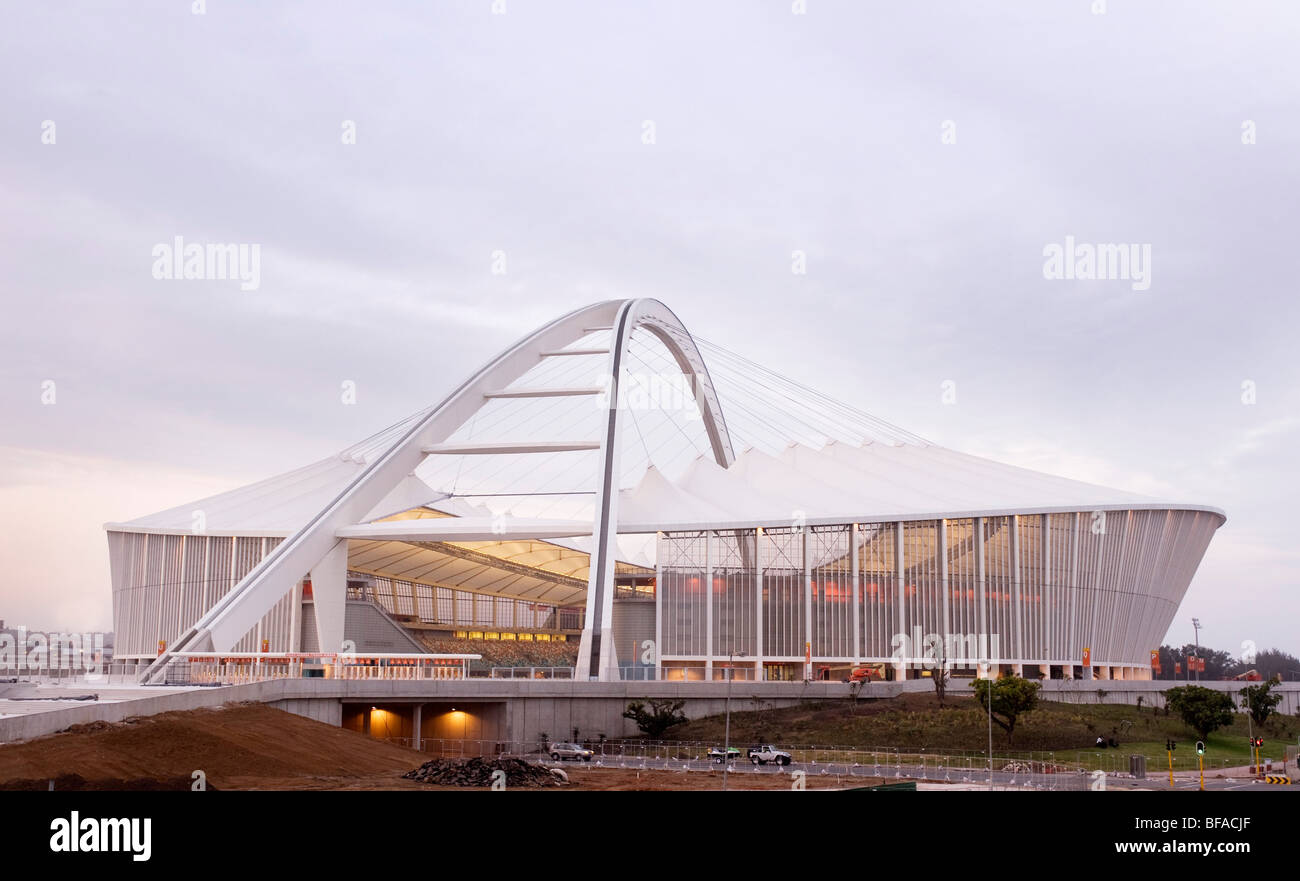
{"points": [[761, 755]]}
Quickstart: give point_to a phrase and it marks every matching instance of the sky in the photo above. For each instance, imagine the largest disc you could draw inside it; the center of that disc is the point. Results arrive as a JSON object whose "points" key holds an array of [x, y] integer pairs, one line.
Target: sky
{"points": [[390, 159]]}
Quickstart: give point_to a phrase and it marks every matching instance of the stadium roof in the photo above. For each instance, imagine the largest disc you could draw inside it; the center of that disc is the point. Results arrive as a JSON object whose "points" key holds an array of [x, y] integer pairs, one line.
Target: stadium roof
{"points": [[803, 457], [509, 482]]}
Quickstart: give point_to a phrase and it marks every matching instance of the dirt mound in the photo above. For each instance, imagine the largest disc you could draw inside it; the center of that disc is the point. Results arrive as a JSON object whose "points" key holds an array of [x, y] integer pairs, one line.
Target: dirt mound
{"points": [[480, 772], [235, 746], [77, 783]]}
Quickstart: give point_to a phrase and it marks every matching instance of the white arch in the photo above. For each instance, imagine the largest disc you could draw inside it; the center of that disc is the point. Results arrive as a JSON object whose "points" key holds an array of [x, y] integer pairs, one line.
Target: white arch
{"points": [[317, 547], [596, 656]]}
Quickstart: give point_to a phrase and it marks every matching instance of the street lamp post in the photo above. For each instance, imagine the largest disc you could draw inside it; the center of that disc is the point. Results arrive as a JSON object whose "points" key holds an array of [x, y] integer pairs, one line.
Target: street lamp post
{"points": [[988, 665], [1250, 729], [726, 739]]}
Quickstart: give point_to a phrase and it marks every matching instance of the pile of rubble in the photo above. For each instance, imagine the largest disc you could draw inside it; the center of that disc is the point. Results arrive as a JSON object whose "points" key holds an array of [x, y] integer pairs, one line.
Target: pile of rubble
{"points": [[482, 772]]}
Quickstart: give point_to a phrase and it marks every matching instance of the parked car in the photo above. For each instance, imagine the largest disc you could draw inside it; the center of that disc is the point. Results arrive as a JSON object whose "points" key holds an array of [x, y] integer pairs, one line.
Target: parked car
{"points": [[731, 754], [761, 755], [561, 751]]}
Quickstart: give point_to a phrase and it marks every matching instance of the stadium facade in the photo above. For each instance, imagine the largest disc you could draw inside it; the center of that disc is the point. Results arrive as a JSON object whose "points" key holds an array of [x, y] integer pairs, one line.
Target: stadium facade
{"points": [[680, 515]]}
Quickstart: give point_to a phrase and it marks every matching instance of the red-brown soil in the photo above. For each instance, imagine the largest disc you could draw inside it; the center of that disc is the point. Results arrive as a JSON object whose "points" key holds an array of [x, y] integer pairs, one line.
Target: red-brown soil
{"points": [[233, 745], [254, 746]]}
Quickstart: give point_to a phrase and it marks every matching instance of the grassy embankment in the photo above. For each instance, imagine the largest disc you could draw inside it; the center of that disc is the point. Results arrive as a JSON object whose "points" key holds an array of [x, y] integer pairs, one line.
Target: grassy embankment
{"points": [[914, 723]]}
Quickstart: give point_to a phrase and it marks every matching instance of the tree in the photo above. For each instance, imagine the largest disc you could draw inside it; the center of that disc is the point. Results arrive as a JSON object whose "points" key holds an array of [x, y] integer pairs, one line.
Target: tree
{"points": [[855, 690], [1259, 702], [658, 718], [1204, 710], [1275, 662], [937, 661], [1218, 665], [1222, 665], [1012, 698]]}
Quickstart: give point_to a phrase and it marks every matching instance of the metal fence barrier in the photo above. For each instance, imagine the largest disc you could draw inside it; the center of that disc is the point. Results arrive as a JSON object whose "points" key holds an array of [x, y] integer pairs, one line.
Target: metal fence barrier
{"points": [[1020, 771]]}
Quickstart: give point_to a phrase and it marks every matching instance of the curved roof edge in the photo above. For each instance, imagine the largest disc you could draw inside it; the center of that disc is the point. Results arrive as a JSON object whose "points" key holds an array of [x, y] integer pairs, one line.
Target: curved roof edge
{"points": [[641, 528], [912, 516]]}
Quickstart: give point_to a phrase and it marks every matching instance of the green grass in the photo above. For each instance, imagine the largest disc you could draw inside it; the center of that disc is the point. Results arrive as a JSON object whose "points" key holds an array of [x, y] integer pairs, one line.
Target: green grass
{"points": [[914, 723]]}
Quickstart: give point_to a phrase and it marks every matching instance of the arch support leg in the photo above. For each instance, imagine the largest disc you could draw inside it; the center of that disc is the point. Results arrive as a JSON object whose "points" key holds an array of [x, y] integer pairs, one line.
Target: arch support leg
{"points": [[597, 654], [329, 588]]}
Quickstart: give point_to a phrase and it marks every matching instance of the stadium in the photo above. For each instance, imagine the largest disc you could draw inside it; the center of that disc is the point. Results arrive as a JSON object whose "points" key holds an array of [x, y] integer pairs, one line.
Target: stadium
{"points": [[675, 511]]}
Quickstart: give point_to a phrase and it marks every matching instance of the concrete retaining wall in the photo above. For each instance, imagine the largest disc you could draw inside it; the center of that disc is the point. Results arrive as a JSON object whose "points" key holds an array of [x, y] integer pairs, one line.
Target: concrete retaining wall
{"points": [[1152, 693], [551, 706], [27, 726], [327, 710], [554, 707]]}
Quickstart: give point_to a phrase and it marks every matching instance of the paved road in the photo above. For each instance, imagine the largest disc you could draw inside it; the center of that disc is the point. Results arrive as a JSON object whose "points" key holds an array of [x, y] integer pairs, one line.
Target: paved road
{"points": [[835, 769], [939, 774]]}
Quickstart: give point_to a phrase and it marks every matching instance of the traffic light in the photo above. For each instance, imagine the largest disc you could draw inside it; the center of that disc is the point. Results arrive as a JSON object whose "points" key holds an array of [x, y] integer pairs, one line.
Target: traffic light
{"points": [[1170, 746], [1200, 747], [1257, 741]]}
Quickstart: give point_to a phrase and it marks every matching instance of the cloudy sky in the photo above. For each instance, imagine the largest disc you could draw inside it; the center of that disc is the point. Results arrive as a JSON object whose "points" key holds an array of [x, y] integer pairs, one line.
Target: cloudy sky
{"points": [[921, 156]]}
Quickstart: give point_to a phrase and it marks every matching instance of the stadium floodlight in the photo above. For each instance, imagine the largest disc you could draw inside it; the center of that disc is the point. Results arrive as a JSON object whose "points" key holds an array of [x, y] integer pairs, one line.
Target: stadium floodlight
{"points": [[1196, 625]]}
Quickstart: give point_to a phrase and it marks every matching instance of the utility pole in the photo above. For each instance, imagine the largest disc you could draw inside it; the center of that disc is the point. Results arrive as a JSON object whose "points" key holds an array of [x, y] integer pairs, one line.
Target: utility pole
{"points": [[726, 740]]}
